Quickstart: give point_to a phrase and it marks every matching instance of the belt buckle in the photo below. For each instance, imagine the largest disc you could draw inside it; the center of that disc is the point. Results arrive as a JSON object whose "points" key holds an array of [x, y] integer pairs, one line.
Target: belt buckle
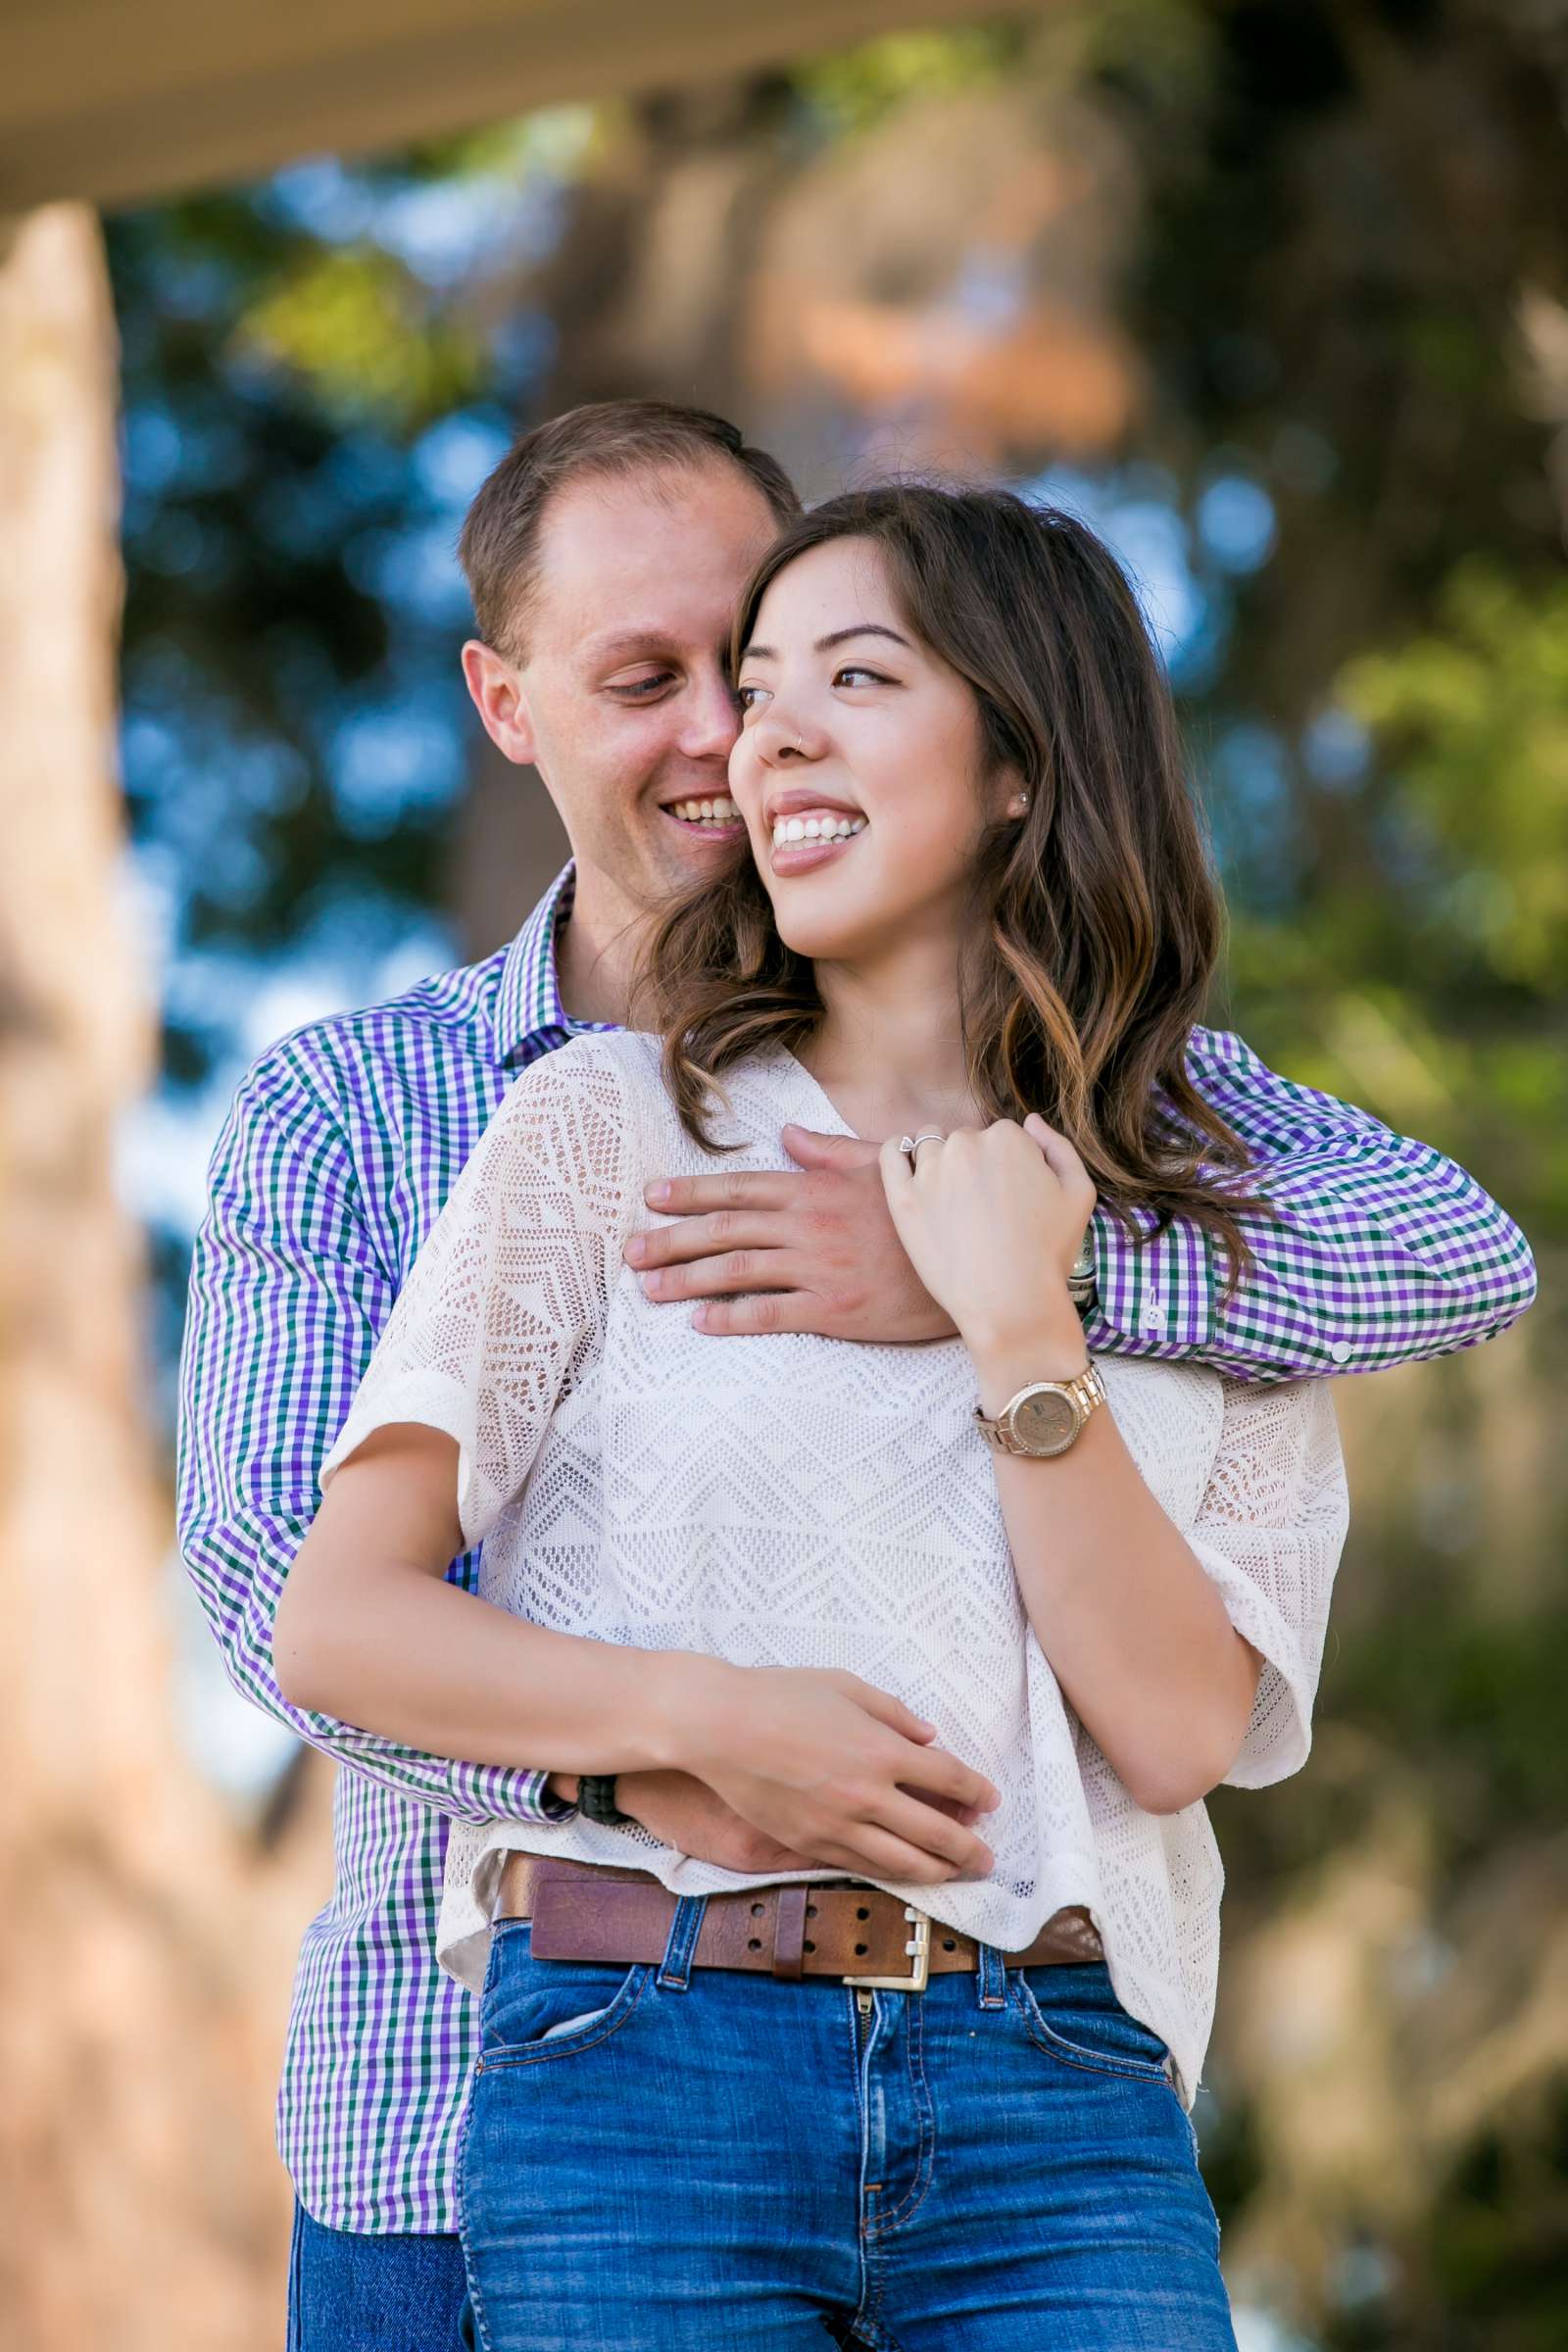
{"points": [[918, 1948]]}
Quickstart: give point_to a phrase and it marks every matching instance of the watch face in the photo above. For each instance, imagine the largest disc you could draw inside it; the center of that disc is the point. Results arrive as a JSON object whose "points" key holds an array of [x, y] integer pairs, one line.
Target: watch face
{"points": [[1046, 1422]]}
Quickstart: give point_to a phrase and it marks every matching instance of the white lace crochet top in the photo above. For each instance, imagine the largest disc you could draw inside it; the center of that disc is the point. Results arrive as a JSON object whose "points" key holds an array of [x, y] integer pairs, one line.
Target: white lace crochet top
{"points": [[790, 1500]]}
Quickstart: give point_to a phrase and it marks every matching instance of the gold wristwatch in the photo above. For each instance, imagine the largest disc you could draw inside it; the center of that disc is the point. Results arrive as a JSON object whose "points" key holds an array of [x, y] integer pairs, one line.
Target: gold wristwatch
{"points": [[1045, 1417]]}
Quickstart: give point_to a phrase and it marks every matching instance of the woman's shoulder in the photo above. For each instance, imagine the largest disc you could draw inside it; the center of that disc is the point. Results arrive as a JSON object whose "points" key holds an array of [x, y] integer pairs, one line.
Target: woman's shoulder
{"points": [[751, 1092], [616, 1078], [598, 1064]]}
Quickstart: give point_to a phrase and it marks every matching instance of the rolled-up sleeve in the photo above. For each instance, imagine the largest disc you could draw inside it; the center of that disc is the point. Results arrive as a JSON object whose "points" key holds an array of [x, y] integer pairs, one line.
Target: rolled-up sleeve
{"points": [[510, 1288]]}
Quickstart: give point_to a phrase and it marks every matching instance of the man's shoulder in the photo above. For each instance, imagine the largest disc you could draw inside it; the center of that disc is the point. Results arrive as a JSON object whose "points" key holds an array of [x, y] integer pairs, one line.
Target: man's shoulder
{"points": [[330, 1058]]}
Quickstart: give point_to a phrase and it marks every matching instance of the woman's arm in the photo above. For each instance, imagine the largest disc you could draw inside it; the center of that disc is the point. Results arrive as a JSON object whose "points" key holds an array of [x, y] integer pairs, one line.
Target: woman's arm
{"points": [[1136, 1635], [1137, 1626], [370, 1628], [368, 1625]]}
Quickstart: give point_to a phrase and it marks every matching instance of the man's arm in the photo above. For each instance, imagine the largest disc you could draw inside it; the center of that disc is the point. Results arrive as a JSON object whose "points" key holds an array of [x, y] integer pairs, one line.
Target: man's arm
{"points": [[1380, 1251], [287, 1294]]}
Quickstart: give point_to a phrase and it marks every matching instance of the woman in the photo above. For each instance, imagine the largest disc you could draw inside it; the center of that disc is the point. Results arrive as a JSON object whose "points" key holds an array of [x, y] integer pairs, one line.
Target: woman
{"points": [[1018, 1592]]}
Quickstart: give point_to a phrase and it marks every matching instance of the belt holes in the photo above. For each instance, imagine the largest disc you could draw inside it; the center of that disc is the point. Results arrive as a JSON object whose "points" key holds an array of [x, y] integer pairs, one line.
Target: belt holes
{"points": [[810, 1910], [807, 1945], [862, 1912], [754, 1943], [948, 1944], [757, 1910], [859, 1950]]}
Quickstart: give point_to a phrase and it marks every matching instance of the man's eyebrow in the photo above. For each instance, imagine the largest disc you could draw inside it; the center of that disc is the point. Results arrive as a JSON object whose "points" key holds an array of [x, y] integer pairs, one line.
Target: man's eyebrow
{"points": [[624, 645], [826, 645]]}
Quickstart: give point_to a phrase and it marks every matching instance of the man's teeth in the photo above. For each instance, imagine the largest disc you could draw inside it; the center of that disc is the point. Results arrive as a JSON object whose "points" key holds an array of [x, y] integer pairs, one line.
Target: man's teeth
{"points": [[826, 827], [721, 812]]}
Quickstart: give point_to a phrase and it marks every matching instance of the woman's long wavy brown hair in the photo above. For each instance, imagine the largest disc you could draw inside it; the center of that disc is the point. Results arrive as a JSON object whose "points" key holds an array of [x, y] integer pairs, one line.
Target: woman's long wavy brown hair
{"points": [[1096, 919]]}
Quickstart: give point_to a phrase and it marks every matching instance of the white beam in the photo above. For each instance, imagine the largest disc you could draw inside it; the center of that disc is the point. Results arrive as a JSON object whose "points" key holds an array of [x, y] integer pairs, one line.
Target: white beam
{"points": [[120, 101]]}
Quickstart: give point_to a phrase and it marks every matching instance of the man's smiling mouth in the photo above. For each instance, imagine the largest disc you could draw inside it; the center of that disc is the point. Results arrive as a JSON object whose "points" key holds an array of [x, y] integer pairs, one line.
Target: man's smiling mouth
{"points": [[716, 816]]}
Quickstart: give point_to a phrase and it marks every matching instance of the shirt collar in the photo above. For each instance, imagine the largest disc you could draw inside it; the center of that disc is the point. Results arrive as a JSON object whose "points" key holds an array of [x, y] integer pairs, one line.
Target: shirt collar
{"points": [[528, 1016]]}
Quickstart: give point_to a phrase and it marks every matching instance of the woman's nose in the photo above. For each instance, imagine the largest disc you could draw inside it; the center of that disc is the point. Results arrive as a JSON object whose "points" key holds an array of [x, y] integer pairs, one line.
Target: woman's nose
{"points": [[782, 739]]}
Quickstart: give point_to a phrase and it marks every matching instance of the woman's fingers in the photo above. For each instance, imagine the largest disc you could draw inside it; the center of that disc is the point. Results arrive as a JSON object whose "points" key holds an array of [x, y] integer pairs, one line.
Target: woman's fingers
{"points": [[938, 1770], [896, 1173], [872, 1852], [885, 1707], [935, 1833], [1061, 1158]]}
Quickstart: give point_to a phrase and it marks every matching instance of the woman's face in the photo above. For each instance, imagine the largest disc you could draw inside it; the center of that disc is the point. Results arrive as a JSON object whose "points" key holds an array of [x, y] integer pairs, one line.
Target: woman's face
{"points": [[858, 766]]}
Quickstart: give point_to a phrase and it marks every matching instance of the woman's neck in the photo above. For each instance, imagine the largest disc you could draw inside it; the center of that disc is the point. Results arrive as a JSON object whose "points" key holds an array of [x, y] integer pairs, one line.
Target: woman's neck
{"points": [[888, 1051]]}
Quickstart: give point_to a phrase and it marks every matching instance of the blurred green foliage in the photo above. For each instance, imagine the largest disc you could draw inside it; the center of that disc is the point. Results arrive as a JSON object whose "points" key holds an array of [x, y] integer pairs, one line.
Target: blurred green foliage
{"points": [[352, 326]]}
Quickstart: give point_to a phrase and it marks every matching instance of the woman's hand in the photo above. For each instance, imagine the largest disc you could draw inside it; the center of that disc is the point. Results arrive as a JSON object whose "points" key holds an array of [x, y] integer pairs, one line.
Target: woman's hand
{"points": [[832, 1766], [992, 1219]]}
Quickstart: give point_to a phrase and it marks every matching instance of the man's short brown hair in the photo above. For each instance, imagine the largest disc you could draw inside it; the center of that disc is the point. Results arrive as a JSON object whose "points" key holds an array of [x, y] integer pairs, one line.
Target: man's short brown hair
{"points": [[500, 541]]}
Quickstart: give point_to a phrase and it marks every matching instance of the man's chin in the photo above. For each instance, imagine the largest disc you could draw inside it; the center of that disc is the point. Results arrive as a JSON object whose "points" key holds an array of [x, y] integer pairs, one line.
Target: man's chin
{"points": [[688, 851]]}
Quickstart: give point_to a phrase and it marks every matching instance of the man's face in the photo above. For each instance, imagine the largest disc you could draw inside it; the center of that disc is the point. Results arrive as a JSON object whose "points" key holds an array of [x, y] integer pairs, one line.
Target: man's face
{"points": [[624, 694]]}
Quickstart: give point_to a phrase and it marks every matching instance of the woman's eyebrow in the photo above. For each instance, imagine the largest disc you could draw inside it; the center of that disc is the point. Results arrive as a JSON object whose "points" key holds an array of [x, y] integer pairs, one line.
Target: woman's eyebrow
{"points": [[826, 645]]}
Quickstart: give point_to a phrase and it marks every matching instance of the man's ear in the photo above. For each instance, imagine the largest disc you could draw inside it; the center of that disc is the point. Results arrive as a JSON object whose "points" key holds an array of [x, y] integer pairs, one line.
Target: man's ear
{"points": [[500, 700]]}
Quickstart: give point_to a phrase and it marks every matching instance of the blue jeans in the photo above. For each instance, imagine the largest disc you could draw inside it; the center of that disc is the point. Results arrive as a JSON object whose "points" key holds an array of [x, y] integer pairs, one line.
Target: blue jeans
{"points": [[677, 2160], [351, 2292]]}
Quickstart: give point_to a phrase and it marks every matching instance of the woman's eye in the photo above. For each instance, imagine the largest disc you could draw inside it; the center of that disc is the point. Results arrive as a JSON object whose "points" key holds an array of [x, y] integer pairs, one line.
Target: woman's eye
{"points": [[750, 697], [858, 669]]}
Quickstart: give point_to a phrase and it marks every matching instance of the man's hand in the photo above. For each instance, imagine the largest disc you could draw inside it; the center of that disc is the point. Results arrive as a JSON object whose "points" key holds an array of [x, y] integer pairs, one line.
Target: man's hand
{"points": [[682, 1811], [814, 1251]]}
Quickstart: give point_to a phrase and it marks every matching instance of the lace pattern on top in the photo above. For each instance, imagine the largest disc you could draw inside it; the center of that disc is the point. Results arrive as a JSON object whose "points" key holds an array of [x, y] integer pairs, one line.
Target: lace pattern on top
{"points": [[785, 1499]]}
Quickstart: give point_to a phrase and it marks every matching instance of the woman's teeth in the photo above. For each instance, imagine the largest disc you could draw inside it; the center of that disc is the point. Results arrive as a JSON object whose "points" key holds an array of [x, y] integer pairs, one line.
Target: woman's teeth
{"points": [[721, 812], [826, 827]]}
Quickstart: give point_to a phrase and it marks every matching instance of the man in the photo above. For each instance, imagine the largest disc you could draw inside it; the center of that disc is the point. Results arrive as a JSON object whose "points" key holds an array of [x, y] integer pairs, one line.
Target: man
{"points": [[605, 556]]}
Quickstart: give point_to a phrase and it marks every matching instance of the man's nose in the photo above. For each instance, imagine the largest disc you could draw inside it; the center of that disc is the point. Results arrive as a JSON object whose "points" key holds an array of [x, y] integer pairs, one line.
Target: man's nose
{"points": [[712, 722]]}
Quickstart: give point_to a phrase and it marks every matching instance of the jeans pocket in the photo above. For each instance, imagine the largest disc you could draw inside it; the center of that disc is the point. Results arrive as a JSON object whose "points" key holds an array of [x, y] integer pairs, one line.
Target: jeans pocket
{"points": [[534, 2011], [1090, 2029]]}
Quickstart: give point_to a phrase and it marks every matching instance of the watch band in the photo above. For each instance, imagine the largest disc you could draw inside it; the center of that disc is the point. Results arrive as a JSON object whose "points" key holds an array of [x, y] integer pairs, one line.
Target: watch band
{"points": [[596, 1800], [1083, 1393]]}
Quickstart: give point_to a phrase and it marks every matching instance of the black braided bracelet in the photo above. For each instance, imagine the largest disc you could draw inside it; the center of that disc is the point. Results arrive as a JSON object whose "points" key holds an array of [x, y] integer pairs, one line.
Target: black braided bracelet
{"points": [[596, 1800]]}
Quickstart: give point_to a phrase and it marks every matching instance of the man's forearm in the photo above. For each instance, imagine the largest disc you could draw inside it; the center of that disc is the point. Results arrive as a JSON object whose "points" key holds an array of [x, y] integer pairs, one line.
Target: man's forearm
{"points": [[238, 1586], [1380, 1251], [294, 1261]]}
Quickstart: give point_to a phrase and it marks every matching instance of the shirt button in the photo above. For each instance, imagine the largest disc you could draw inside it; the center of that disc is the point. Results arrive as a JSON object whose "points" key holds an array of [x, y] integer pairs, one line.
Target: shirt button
{"points": [[1155, 1319], [1341, 1352]]}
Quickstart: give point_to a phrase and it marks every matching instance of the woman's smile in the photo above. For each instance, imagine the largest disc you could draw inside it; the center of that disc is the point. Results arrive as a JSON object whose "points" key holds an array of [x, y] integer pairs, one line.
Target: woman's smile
{"points": [[807, 826]]}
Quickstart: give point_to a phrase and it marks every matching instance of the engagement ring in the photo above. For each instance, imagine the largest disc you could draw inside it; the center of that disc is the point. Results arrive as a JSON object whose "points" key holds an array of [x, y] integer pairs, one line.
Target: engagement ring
{"points": [[909, 1145]]}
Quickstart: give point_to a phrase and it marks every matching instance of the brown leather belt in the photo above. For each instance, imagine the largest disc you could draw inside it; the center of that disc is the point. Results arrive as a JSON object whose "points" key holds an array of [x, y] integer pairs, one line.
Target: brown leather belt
{"points": [[861, 1934]]}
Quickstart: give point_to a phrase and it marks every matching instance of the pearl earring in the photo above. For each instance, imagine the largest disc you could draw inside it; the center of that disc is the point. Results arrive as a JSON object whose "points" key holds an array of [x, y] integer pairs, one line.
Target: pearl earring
{"points": [[1020, 803]]}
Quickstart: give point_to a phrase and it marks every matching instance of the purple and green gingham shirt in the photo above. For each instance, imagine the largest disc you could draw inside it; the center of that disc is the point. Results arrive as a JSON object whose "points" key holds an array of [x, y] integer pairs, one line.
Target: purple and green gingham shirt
{"points": [[341, 1148]]}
